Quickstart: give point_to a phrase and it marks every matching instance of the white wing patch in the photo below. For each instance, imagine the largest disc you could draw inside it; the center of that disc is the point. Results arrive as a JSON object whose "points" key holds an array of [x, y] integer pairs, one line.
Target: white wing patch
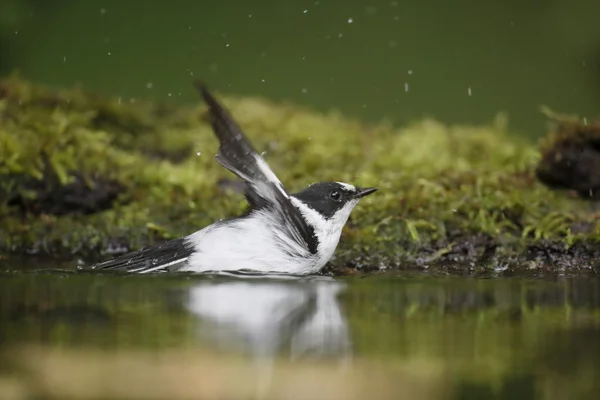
{"points": [[262, 188], [269, 174]]}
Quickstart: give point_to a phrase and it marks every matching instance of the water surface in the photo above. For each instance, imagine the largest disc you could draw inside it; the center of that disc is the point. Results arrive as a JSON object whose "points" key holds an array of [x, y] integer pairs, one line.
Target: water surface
{"points": [[422, 336]]}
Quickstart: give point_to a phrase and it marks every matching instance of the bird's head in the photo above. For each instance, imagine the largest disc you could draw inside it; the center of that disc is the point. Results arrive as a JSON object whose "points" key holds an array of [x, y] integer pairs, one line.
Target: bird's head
{"points": [[330, 203]]}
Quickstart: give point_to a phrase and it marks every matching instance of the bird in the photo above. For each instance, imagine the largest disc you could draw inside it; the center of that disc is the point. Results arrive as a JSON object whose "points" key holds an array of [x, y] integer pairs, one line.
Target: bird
{"points": [[281, 232]]}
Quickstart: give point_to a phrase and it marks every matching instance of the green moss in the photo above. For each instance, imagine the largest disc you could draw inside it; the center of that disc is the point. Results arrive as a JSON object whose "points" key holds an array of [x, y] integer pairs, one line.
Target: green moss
{"points": [[447, 193]]}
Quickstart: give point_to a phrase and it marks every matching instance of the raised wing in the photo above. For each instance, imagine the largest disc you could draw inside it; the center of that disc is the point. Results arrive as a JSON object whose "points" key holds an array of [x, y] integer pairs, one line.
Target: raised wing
{"points": [[263, 187]]}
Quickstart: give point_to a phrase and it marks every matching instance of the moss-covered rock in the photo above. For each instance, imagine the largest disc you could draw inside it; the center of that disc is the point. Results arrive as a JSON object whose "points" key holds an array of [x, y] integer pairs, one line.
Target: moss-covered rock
{"points": [[86, 175], [571, 155]]}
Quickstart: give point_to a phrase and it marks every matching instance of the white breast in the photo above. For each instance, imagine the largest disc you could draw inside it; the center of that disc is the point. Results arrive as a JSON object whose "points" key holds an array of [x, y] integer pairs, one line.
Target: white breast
{"points": [[328, 231]]}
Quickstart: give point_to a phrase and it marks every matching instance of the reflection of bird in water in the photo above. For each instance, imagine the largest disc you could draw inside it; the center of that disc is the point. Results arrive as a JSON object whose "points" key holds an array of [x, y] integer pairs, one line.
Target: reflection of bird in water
{"points": [[263, 317]]}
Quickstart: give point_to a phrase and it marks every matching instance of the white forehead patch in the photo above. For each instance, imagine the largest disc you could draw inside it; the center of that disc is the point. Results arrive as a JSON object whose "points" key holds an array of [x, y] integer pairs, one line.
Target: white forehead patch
{"points": [[347, 186]]}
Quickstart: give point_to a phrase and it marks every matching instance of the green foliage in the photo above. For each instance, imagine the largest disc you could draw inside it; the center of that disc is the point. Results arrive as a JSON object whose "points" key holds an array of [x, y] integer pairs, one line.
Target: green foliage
{"points": [[439, 185]]}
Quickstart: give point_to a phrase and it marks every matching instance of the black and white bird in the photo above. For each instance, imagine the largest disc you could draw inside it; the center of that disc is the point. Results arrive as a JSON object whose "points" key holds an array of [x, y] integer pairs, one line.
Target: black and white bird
{"points": [[281, 233]]}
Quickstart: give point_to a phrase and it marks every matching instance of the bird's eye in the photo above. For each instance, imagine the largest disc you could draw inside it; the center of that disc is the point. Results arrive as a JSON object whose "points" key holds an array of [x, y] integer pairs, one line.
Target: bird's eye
{"points": [[336, 195]]}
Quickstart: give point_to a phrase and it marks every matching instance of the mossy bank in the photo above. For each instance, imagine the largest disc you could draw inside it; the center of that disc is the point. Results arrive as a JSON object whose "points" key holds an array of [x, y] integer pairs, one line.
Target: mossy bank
{"points": [[84, 177]]}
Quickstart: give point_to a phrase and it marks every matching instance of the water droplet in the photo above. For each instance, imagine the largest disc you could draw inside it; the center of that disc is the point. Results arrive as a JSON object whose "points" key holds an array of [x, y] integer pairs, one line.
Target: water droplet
{"points": [[102, 11], [64, 58], [469, 91], [340, 35], [584, 120], [350, 20], [305, 11], [227, 45], [169, 94], [149, 85], [309, 138], [304, 90], [119, 100], [410, 71], [199, 153], [249, 15], [109, 53], [406, 87]]}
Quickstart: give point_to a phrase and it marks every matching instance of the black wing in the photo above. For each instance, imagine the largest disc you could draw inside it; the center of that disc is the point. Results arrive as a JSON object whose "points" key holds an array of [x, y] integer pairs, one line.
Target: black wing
{"points": [[159, 257], [263, 187]]}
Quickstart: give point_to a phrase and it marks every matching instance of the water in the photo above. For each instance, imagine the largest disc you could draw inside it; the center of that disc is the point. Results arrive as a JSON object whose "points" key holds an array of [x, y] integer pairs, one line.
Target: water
{"points": [[90, 335]]}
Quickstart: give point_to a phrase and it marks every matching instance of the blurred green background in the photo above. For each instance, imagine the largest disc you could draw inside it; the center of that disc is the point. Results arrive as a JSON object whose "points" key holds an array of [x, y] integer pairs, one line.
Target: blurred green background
{"points": [[460, 61]]}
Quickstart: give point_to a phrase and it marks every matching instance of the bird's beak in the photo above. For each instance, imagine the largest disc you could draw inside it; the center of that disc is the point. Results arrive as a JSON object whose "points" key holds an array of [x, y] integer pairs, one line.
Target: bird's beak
{"points": [[362, 192]]}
